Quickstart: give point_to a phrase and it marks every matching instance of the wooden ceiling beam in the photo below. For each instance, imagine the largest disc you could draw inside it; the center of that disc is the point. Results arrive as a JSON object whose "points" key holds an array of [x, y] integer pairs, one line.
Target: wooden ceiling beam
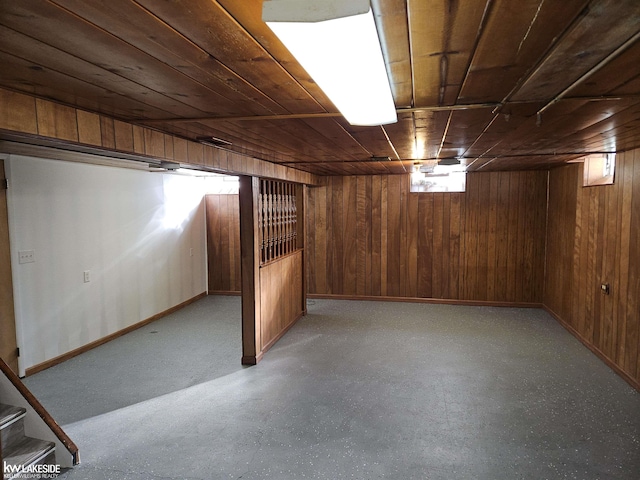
{"points": [[297, 116]]}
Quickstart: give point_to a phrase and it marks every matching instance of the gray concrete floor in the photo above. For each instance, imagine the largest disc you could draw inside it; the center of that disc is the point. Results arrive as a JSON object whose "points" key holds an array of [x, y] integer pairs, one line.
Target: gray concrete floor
{"points": [[357, 390]]}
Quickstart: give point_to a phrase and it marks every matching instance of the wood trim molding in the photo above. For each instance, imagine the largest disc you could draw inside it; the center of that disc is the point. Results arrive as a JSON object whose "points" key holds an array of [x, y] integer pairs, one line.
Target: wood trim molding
{"points": [[32, 120], [441, 301], [610, 363], [275, 339], [89, 346], [251, 360]]}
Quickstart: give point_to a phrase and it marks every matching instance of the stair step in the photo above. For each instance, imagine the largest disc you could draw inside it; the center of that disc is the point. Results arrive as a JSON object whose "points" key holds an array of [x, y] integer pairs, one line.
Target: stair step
{"points": [[10, 414], [29, 451], [11, 424]]}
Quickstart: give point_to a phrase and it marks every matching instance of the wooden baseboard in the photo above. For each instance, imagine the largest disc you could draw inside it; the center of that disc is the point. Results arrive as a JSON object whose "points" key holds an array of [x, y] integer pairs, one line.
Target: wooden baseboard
{"points": [[595, 350], [273, 341], [224, 292], [439, 301], [108, 338], [250, 360]]}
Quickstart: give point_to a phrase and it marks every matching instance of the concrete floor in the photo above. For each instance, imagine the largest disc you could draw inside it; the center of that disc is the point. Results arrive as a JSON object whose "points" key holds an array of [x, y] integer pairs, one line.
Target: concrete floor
{"points": [[357, 390]]}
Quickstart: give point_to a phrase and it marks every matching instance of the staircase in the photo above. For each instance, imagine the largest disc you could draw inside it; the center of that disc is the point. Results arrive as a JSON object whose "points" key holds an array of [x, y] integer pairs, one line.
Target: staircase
{"points": [[22, 454]]}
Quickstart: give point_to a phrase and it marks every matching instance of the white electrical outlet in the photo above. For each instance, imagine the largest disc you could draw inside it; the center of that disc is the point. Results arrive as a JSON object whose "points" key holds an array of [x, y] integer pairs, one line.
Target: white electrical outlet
{"points": [[87, 276], [26, 256]]}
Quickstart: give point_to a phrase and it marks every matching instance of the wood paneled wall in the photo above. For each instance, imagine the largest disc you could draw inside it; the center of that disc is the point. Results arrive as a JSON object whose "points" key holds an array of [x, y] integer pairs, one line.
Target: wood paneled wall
{"points": [[35, 117], [223, 243], [282, 301], [368, 236], [593, 239]]}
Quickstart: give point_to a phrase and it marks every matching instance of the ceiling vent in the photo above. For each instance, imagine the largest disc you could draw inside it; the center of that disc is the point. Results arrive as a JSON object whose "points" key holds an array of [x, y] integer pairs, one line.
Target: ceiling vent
{"points": [[169, 165], [213, 141], [449, 161]]}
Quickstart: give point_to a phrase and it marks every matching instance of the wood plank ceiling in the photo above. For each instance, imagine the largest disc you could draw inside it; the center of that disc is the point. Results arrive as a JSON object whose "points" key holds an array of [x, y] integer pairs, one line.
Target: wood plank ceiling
{"points": [[498, 84]]}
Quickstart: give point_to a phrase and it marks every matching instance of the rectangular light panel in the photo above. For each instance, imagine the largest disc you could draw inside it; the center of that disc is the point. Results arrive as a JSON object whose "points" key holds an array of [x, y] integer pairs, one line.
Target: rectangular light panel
{"points": [[337, 43]]}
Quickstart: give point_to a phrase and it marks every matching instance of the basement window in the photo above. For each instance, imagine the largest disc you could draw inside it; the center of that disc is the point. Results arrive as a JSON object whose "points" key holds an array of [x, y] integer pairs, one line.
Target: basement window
{"points": [[599, 169], [428, 178]]}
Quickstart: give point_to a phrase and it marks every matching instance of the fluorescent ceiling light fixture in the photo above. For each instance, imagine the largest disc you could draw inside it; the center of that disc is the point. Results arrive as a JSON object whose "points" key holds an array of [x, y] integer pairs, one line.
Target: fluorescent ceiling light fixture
{"points": [[337, 43]]}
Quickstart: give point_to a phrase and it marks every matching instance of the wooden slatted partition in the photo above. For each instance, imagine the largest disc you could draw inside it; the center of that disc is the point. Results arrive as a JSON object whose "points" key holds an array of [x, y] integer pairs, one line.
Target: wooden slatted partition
{"points": [[272, 259], [277, 219]]}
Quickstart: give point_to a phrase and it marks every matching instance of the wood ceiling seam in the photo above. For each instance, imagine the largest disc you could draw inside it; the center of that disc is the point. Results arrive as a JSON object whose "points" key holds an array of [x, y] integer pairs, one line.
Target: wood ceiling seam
{"points": [[325, 144], [222, 65], [557, 132], [345, 132], [267, 53], [444, 134], [411, 56], [255, 145], [600, 135], [78, 79], [533, 21], [545, 55], [318, 146], [203, 39], [386, 135], [607, 26], [481, 29], [108, 34]]}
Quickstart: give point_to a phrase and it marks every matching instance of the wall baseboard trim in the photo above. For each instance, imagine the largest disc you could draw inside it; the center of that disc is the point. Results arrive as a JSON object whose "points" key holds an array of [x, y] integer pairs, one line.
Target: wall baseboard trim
{"points": [[250, 360], [595, 350], [440, 301], [275, 339], [89, 346]]}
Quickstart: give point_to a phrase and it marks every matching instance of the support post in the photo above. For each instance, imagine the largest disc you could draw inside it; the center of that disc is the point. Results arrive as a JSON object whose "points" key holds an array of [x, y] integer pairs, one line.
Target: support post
{"points": [[250, 270]]}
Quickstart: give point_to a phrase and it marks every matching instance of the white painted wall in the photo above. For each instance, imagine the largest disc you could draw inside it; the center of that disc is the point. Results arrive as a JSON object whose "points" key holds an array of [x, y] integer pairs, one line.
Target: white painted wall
{"points": [[133, 231]]}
